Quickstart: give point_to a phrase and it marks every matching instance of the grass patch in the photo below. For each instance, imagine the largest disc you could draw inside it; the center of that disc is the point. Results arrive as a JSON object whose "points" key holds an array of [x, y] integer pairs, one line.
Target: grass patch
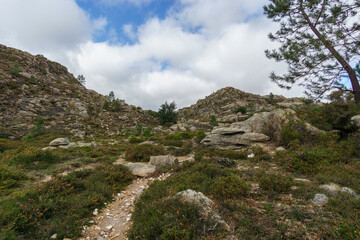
{"points": [[142, 153], [62, 205], [158, 214]]}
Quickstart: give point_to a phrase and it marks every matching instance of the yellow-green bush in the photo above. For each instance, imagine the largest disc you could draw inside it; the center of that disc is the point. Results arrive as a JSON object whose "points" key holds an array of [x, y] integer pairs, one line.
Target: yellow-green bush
{"points": [[142, 153]]}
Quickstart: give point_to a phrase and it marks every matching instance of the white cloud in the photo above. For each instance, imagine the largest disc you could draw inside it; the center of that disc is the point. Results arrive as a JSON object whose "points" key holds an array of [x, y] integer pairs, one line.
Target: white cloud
{"points": [[43, 25], [169, 60], [99, 24]]}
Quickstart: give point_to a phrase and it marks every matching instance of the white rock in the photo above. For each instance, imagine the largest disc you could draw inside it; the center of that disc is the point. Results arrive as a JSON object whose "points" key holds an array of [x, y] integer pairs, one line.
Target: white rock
{"points": [[109, 227], [320, 199], [348, 191], [54, 236], [59, 142], [251, 155]]}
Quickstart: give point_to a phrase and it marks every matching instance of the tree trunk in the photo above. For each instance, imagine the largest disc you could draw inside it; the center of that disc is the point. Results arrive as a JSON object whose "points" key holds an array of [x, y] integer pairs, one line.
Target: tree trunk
{"points": [[350, 71]]}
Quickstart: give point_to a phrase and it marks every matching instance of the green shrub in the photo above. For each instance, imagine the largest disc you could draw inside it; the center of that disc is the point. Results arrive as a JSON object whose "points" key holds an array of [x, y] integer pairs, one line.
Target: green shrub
{"points": [[148, 132], [38, 128], [179, 136], [32, 158], [61, 205], [167, 114], [135, 139], [275, 183], [142, 153], [106, 106], [172, 142], [226, 153], [295, 130], [229, 187], [9, 177], [15, 69], [199, 136], [139, 129], [7, 145], [213, 121], [241, 110], [160, 215]]}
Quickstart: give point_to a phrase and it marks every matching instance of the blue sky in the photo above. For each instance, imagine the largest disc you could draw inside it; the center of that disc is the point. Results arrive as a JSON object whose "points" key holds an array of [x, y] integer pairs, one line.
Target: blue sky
{"points": [[150, 51], [125, 13]]}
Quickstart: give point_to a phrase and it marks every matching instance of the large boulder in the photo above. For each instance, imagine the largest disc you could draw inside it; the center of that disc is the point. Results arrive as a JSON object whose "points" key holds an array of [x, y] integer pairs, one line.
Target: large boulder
{"points": [[355, 120], [232, 137], [140, 169], [206, 205], [59, 142], [261, 127], [164, 160]]}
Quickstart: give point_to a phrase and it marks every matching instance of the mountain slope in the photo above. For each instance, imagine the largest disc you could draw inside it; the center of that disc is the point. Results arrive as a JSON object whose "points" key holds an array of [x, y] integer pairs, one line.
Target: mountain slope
{"points": [[33, 86], [228, 100]]}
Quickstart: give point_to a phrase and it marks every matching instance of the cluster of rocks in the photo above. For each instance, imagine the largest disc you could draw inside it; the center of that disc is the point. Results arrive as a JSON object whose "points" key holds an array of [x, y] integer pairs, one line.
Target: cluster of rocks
{"points": [[227, 101], [65, 143], [141, 169], [43, 88], [332, 190]]}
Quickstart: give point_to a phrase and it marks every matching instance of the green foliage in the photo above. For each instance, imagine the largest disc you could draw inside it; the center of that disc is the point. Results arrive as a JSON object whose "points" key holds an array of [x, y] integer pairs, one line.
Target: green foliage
{"points": [[241, 110], [225, 153], [172, 142], [199, 136], [167, 114], [153, 114], [135, 139], [230, 187], [106, 105], [116, 106], [295, 130], [334, 115], [139, 129], [160, 215], [38, 128], [310, 159], [10, 177], [179, 136], [61, 205], [111, 96], [142, 153], [15, 69], [213, 121], [7, 144], [271, 99], [81, 79], [275, 183], [316, 42], [32, 158], [148, 132]]}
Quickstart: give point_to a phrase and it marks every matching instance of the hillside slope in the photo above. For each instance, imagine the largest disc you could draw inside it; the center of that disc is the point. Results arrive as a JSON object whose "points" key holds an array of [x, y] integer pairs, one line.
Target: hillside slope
{"points": [[228, 100], [33, 86]]}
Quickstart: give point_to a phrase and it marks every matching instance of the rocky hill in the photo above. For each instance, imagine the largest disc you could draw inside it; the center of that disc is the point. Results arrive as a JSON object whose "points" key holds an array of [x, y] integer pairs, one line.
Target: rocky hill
{"points": [[33, 86], [229, 100]]}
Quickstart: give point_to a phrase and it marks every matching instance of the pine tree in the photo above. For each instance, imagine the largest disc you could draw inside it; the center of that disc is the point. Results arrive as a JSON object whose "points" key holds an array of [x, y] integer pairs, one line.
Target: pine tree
{"points": [[319, 40]]}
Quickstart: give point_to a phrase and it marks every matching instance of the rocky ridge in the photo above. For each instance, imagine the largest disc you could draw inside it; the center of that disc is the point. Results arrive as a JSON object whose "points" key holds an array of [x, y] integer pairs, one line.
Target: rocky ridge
{"points": [[33, 86]]}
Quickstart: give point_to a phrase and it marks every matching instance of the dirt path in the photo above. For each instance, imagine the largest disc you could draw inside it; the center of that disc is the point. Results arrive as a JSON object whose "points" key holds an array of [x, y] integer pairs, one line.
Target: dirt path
{"points": [[114, 221]]}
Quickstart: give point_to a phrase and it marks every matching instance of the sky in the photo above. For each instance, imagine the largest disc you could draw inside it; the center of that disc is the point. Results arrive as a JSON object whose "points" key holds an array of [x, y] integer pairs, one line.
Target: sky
{"points": [[150, 51]]}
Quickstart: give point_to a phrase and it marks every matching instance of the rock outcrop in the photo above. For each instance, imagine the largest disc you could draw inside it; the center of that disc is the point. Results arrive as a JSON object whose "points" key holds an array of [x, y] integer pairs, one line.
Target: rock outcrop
{"points": [[261, 127], [227, 101], [164, 160], [206, 206]]}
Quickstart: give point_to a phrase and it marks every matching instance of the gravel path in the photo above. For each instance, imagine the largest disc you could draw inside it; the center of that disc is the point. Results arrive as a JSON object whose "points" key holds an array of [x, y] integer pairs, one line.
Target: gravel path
{"points": [[114, 221]]}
